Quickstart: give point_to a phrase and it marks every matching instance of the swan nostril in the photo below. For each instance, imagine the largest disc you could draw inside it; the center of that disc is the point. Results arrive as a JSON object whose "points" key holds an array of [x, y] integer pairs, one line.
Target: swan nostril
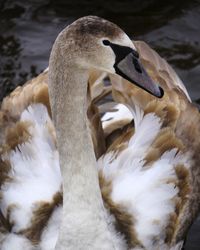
{"points": [[106, 42], [161, 92], [135, 54], [137, 66]]}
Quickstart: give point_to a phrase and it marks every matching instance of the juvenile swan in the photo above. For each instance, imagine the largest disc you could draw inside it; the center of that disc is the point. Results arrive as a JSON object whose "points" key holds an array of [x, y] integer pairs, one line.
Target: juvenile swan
{"points": [[89, 42], [141, 191]]}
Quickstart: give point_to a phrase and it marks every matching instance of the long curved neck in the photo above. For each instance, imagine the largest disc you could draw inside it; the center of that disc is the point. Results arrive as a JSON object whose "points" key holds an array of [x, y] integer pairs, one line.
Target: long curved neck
{"points": [[84, 220]]}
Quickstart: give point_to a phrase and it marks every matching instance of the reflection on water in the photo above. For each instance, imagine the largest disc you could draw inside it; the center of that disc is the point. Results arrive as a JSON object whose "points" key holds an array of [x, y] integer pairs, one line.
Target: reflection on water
{"points": [[28, 29]]}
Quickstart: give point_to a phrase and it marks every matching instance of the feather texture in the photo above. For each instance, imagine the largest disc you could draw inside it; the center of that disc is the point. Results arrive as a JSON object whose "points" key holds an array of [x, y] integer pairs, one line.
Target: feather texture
{"points": [[147, 191], [148, 173], [34, 176]]}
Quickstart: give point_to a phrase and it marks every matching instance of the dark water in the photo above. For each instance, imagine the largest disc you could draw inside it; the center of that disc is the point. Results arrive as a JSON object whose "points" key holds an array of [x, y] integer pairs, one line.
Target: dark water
{"points": [[28, 29]]}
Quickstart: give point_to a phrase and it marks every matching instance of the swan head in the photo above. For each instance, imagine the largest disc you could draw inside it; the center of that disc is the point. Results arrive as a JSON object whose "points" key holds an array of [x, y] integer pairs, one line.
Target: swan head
{"points": [[94, 42]]}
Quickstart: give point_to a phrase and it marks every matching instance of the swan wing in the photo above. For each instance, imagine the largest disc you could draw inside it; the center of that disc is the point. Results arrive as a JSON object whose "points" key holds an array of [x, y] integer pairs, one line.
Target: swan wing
{"points": [[149, 175], [159, 68], [30, 179], [144, 178]]}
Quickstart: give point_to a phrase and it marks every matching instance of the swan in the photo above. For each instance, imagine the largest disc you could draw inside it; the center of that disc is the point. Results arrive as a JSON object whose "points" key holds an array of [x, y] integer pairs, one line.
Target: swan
{"points": [[142, 193]]}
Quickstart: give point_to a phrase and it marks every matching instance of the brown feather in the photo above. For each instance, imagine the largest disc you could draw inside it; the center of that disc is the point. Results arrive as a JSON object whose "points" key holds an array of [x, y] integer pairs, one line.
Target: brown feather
{"points": [[124, 220], [41, 216], [16, 135], [96, 130]]}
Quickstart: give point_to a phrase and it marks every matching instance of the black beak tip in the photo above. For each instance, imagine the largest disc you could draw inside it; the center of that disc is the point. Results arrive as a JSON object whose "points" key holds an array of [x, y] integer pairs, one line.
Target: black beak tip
{"points": [[161, 94]]}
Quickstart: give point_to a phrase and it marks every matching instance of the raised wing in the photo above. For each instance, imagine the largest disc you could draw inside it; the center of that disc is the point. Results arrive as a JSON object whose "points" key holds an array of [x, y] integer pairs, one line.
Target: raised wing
{"points": [[149, 176]]}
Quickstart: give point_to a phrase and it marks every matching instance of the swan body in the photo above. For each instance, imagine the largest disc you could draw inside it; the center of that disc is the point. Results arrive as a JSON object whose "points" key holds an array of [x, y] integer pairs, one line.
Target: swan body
{"points": [[148, 172]]}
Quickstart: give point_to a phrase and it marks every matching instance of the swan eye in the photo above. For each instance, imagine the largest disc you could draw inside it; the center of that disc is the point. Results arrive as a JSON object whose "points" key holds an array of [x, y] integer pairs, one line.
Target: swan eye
{"points": [[106, 42]]}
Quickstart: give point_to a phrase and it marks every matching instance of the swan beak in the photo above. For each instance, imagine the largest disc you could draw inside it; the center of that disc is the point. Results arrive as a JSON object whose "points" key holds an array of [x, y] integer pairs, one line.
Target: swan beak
{"points": [[132, 70]]}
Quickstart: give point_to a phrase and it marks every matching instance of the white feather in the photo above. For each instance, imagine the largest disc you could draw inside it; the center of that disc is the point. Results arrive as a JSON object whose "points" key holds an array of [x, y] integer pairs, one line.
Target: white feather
{"points": [[144, 190], [120, 112], [34, 171], [16, 242]]}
